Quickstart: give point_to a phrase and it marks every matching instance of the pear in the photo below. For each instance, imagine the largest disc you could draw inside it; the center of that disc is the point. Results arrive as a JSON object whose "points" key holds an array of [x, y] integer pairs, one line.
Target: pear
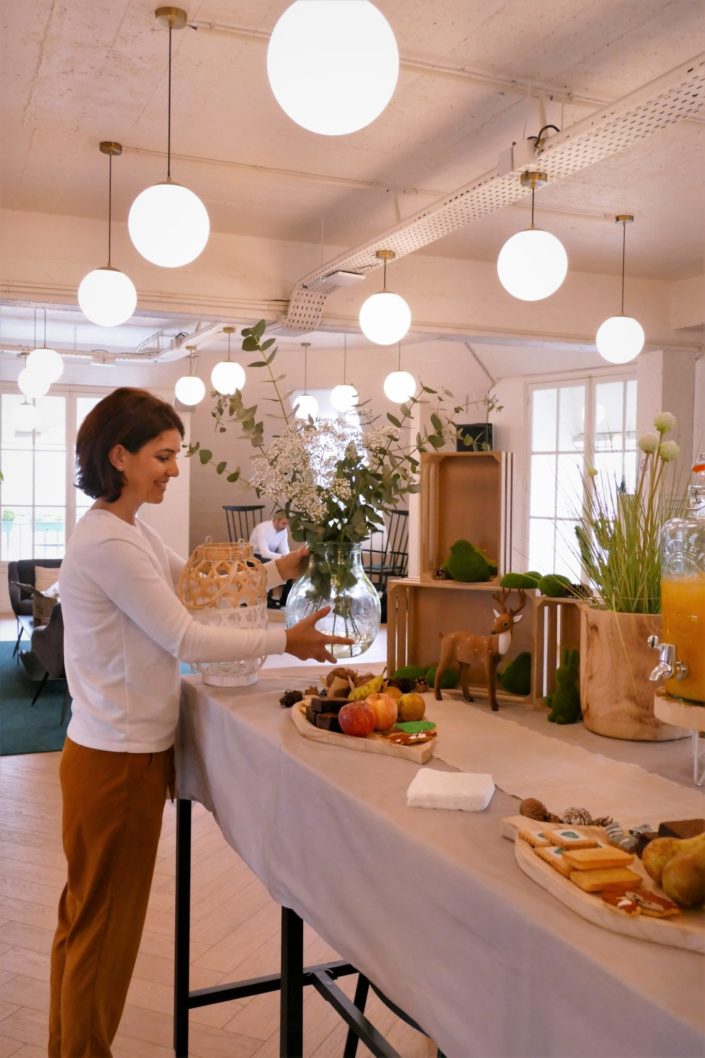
{"points": [[683, 879], [659, 851]]}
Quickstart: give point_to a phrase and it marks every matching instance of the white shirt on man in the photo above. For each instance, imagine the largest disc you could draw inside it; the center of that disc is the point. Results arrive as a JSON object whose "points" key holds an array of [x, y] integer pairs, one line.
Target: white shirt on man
{"points": [[268, 541], [119, 604]]}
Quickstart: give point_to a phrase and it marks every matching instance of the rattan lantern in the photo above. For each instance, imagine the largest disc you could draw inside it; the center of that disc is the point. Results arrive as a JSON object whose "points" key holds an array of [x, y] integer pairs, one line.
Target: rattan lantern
{"points": [[224, 584]]}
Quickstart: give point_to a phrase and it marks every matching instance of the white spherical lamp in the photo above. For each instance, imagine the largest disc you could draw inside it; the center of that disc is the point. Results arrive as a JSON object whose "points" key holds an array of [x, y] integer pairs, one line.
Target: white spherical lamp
{"points": [[385, 318], [620, 339], [47, 363], [25, 418], [399, 386], [343, 397], [107, 297], [190, 390], [227, 376], [532, 264], [305, 406], [332, 65], [32, 384], [168, 225]]}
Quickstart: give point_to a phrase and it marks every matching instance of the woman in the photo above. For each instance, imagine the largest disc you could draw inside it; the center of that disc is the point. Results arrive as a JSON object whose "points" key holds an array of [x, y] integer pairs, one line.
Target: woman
{"points": [[125, 631]]}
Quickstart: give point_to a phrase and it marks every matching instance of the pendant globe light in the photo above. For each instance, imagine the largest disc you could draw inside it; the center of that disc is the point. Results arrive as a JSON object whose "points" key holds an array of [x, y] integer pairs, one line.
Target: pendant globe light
{"points": [[620, 338], [168, 224], [228, 375], [333, 65], [106, 295], [385, 317], [399, 386], [532, 264], [190, 389], [344, 397], [45, 362], [305, 406]]}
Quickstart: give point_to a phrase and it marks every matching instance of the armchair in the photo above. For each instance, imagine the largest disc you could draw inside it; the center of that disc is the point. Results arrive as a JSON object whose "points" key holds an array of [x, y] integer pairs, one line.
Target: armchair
{"points": [[48, 648], [21, 600]]}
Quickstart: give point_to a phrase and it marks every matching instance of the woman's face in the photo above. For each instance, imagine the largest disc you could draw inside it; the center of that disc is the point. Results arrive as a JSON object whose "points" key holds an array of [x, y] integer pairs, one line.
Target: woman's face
{"points": [[147, 472]]}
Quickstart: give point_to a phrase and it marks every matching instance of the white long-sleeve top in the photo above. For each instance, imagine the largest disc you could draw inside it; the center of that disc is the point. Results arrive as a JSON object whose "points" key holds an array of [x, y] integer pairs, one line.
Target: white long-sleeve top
{"points": [[125, 631]]}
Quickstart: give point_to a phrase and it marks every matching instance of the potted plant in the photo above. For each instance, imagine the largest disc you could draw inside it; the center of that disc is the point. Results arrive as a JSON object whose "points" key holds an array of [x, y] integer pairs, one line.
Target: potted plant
{"points": [[618, 536]]}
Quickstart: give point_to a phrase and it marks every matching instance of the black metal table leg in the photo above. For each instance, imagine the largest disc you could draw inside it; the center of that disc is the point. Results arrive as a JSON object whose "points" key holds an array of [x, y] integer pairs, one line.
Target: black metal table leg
{"points": [[291, 1020], [182, 927]]}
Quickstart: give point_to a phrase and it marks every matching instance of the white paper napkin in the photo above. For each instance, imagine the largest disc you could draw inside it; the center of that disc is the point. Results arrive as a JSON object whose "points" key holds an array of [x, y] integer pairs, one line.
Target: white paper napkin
{"points": [[468, 791]]}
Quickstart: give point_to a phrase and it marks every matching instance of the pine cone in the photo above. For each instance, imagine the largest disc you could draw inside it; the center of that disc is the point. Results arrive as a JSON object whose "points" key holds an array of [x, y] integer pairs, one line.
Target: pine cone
{"points": [[290, 698]]}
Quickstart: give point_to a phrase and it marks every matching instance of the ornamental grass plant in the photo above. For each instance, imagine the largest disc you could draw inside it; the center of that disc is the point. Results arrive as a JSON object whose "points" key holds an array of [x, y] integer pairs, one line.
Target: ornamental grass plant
{"points": [[619, 532]]}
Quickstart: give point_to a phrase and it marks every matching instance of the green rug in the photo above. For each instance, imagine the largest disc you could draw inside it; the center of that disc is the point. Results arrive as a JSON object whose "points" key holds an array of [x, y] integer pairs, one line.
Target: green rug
{"points": [[27, 728]]}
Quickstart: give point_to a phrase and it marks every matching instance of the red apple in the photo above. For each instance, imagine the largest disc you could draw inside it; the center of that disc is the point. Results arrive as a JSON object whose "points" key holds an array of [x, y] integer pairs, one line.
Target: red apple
{"points": [[357, 718], [385, 708]]}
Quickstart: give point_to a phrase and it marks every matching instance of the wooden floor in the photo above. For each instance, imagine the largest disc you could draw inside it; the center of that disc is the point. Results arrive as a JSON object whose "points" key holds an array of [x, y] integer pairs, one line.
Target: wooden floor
{"points": [[235, 934]]}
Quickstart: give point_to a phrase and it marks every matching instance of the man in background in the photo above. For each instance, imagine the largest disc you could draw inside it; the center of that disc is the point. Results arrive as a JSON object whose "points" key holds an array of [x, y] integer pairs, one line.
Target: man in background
{"points": [[269, 540]]}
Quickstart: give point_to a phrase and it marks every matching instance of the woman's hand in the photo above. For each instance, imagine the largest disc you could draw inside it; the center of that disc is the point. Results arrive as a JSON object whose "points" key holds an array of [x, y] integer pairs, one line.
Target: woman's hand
{"points": [[304, 640], [294, 564]]}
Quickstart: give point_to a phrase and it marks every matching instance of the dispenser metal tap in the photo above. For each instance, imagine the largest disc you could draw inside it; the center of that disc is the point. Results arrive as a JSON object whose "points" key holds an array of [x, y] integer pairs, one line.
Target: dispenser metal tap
{"points": [[668, 668]]}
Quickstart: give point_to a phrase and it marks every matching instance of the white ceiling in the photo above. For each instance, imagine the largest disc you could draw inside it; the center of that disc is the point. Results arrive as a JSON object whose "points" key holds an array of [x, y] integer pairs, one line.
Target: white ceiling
{"points": [[476, 76]]}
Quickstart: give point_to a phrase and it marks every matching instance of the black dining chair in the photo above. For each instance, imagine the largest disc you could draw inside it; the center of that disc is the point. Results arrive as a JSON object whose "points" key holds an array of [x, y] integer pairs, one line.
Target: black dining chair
{"points": [[48, 648], [241, 520], [361, 992], [392, 558]]}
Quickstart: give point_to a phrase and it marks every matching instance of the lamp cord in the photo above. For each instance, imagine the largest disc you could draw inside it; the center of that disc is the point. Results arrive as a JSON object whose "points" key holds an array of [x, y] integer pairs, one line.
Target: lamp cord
{"points": [[398, 356], [384, 284], [110, 203], [345, 359], [305, 370], [624, 245], [168, 123], [228, 346], [533, 189]]}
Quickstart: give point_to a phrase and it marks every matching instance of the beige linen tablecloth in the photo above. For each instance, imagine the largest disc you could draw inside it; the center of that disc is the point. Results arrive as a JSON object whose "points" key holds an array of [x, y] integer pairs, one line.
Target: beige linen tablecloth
{"points": [[429, 904]]}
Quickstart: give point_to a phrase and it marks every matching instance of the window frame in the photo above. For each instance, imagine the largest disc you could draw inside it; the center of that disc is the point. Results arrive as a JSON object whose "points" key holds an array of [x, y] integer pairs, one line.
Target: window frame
{"points": [[589, 380]]}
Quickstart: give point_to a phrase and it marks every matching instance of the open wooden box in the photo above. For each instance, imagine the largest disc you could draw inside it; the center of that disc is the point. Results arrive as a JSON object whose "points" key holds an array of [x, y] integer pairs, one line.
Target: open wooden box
{"points": [[465, 496]]}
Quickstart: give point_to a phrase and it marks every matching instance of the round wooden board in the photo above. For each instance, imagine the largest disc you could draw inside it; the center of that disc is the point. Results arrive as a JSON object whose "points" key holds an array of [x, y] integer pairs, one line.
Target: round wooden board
{"points": [[687, 930], [373, 743]]}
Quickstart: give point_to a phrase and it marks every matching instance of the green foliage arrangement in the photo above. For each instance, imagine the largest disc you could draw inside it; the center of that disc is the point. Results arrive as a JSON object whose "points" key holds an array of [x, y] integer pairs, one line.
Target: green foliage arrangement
{"points": [[469, 563], [619, 533], [564, 702], [333, 478]]}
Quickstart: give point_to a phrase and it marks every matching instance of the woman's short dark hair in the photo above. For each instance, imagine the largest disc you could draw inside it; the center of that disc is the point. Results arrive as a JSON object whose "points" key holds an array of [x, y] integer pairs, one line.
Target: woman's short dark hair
{"points": [[128, 417]]}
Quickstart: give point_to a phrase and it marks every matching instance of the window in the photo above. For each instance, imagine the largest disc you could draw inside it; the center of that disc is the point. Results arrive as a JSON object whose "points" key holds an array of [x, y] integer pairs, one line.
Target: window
{"points": [[39, 505], [575, 426]]}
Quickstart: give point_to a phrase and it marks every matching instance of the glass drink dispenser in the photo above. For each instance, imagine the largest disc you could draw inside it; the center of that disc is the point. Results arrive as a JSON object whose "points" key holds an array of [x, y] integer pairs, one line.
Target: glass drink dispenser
{"points": [[682, 646]]}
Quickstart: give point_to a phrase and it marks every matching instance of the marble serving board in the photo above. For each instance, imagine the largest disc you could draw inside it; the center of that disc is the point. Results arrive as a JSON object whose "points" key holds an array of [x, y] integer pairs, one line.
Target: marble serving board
{"points": [[686, 930], [374, 743]]}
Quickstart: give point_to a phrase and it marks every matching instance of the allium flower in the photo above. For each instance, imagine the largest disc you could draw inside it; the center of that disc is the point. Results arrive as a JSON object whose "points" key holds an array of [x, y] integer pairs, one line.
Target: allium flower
{"points": [[592, 472], [649, 442], [669, 451], [665, 422]]}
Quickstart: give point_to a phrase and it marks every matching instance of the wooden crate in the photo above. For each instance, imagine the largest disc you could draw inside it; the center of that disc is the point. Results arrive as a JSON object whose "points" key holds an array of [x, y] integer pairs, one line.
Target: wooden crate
{"points": [[556, 628], [465, 496], [420, 611]]}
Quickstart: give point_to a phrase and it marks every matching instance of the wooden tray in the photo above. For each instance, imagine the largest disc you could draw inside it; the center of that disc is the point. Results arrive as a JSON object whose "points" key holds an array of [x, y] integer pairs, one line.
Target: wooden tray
{"points": [[687, 930], [373, 743]]}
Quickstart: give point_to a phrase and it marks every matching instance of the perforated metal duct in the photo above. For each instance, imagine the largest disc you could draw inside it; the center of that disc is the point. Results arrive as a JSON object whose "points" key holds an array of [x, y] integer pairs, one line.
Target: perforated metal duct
{"points": [[676, 95]]}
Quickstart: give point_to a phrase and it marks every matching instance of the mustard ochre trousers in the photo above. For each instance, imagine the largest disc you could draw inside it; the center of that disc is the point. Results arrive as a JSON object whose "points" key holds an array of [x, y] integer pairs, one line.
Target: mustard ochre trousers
{"points": [[113, 805]]}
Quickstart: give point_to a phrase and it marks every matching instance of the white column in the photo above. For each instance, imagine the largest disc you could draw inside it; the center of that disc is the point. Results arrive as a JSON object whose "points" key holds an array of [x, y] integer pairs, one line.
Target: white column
{"points": [[666, 382]]}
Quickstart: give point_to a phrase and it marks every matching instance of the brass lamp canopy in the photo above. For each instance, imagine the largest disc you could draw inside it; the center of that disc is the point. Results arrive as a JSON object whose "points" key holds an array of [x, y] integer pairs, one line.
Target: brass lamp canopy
{"points": [[533, 179], [110, 148], [624, 218], [171, 17], [385, 255]]}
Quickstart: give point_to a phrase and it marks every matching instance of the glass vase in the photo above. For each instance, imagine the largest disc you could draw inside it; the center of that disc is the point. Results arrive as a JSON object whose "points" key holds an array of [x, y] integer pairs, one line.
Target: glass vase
{"points": [[335, 578]]}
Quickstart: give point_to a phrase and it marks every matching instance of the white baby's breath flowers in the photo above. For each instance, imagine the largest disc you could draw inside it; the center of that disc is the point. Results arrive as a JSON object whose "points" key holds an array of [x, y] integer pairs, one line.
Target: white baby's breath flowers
{"points": [[669, 451], [649, 442], [665, 422]]}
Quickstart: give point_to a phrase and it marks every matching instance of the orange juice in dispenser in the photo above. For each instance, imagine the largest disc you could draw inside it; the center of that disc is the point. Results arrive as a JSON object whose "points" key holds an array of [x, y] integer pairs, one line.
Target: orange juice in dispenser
{"points": [[682, 648]]}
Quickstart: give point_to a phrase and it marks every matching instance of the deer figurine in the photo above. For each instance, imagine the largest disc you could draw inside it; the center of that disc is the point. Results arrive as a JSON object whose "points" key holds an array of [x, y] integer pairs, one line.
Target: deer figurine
{"points": [[469, 650]]}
